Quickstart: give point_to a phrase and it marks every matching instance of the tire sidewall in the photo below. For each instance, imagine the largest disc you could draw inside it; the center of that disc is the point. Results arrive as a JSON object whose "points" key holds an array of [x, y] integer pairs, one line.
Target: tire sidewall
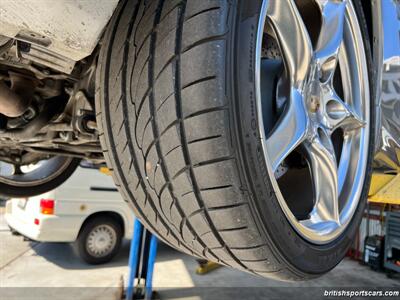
{"points": [[272, 222]]}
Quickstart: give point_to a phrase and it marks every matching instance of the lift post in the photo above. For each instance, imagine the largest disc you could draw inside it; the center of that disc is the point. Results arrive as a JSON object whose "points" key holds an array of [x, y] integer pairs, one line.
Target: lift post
{"points": [[141, 263]]}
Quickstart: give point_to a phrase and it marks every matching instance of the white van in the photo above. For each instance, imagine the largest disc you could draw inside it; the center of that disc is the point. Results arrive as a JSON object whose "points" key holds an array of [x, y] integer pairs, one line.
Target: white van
{"points": [[87, 210]]}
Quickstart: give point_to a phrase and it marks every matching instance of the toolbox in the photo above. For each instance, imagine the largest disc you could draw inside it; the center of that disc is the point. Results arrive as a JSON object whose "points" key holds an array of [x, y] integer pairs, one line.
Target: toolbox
{"points": [[373, 251]]}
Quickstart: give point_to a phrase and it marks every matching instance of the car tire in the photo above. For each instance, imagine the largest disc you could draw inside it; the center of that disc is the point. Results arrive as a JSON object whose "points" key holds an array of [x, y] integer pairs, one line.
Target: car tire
{"points": [[179, 126], [99, 240], [60, 170]]}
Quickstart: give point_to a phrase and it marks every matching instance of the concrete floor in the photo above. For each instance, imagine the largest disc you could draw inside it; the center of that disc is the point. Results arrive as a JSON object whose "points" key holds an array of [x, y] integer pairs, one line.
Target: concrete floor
{"points": [[176, 279], [60, 274]]}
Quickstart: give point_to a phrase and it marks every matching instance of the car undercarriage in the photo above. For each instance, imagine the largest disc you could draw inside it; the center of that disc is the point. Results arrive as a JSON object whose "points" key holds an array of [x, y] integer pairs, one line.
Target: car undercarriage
{"points": [[45, 112]]}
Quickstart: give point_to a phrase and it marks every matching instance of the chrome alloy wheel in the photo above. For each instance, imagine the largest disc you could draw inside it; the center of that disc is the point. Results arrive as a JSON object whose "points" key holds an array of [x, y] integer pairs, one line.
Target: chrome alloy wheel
{"points": [[101, 240], [324, 87]]}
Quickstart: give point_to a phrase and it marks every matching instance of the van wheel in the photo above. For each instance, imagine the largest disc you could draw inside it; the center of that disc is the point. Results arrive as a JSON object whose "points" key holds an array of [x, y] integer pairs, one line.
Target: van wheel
{"points": [[241, 131], [99, 240]]}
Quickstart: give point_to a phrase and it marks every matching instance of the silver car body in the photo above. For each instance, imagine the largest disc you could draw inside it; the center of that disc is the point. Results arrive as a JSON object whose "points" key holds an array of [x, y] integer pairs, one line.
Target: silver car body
{"points": [[64, 32], [386, 27]]}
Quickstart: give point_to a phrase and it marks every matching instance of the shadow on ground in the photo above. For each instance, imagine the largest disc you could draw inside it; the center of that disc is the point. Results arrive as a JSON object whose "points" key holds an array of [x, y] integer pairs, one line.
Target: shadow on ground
{"points": [[63, 255]]}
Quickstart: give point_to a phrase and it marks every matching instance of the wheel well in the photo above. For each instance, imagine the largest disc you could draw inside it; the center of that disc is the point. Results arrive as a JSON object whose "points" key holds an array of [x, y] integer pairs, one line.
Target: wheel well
{"points": [[113, 215], [367, 9]]}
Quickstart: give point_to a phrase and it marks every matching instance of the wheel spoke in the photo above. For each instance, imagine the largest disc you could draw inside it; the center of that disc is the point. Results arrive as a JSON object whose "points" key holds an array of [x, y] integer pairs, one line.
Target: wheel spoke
{"points": [[17, 170], [341, 115], [322, 160], [293, 39], [330, 37], [290, 130]]}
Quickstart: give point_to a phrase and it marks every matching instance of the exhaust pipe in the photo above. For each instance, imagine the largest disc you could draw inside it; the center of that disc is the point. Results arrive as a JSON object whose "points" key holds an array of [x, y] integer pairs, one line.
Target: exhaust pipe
{"points": [[15, 100]]}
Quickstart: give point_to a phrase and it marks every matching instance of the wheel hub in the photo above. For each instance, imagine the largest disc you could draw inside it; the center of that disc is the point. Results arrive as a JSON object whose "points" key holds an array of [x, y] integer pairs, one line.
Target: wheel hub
{"points": [[321, 106], [101, 240]]}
